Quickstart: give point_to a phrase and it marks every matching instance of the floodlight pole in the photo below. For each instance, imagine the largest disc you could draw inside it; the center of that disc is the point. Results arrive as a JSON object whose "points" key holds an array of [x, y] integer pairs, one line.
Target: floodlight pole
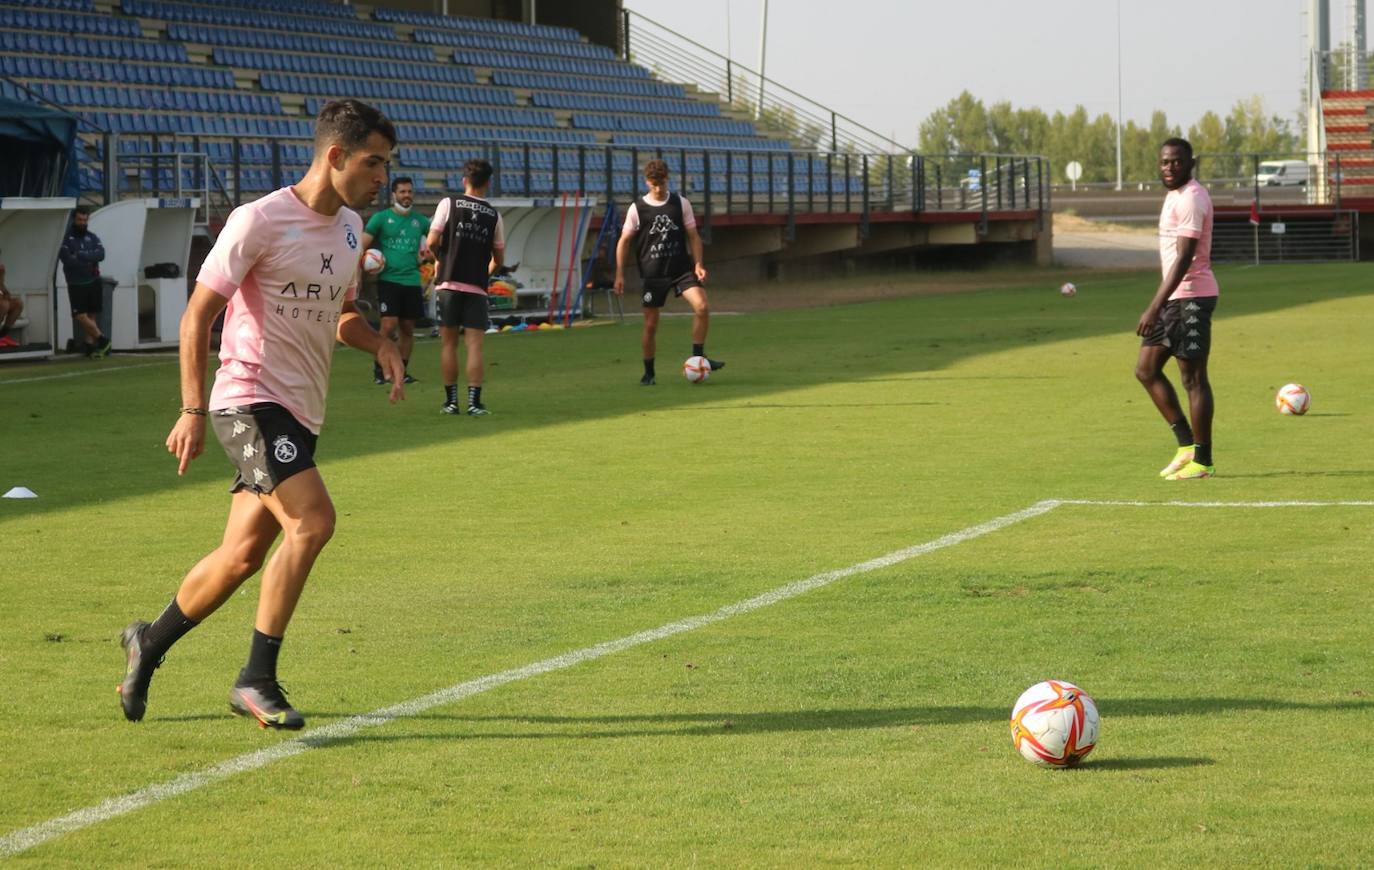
{"points": [[763, 45], [1118, 94]]}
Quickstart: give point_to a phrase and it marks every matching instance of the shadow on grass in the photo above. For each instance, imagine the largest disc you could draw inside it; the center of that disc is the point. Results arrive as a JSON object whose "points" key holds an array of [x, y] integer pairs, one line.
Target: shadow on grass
{"points": [[1110, 764], [570, 377], [1347, 472], [724, 724]]}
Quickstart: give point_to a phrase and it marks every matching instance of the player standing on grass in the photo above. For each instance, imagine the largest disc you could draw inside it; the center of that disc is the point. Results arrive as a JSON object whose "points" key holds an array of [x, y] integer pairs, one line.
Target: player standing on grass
{"points": [[670, 258], [287, 268], [1178, 320], [400, 236], [469, 237]]}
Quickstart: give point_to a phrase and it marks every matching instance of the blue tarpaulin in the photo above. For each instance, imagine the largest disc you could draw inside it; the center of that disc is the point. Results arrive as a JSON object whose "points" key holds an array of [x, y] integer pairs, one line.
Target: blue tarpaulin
{"points": [[37, 151]]}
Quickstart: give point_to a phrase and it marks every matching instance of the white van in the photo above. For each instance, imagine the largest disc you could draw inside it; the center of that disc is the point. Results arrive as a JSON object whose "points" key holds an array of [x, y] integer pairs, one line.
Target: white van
{"points": [[1282, 173]]}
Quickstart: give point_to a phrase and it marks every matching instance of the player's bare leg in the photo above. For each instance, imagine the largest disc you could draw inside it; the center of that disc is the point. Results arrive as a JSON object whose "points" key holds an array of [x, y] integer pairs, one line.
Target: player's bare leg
{"points": [[701, 323], [448, 365], [1149, 370], [248, 536], [648, 343], [302, 508], [476, 370]]}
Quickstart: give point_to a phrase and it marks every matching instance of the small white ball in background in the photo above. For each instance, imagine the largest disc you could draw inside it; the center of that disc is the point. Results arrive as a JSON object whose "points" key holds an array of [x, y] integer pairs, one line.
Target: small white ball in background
{"points": [[1068, 290]]}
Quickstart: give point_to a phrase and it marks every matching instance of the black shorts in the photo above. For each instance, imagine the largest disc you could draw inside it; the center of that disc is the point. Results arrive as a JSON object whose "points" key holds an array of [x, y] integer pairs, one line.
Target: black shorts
{"points": [[87, 298], [265, 443], [400, 300], [1184, 327], [465, 310], [656, 289]]}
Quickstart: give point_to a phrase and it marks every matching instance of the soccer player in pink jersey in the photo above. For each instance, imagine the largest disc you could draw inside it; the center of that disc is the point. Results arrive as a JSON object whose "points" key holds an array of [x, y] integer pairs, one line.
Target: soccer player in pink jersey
{"points": [[285, 266], [1178, 320]]}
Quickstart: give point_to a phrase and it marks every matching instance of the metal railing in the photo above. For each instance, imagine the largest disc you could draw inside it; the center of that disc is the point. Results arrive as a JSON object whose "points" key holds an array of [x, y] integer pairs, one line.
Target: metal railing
{"points": [[718, 182], [672, 57]]}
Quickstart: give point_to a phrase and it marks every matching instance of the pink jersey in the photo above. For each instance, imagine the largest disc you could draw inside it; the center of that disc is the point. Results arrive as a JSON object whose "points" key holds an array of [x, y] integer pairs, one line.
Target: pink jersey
{"points": [[632, 216], [287, 271], [1187, 213]]}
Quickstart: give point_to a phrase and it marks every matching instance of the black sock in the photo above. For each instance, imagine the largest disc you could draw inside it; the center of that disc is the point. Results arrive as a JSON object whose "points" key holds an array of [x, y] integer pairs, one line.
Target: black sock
{"points": [[474, 396], [1183, 432], [376, 370], [405, 363], [262, 659], [451, 394], [166, 630], [698, 350], [649, 367], [1202, 454]]}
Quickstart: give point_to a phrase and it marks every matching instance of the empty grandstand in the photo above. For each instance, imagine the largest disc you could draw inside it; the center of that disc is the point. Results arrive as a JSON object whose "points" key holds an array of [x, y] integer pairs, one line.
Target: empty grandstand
{"points": [[216, 100]]}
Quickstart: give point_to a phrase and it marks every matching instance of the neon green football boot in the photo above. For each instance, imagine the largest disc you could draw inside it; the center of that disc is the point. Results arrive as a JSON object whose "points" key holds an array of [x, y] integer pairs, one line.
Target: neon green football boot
{"points": [[1193, 471], [1181, 458]]}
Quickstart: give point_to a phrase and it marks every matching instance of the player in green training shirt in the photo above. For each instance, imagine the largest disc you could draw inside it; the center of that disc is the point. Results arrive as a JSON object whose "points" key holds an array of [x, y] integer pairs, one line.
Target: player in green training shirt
{"points": [[400, 235]]}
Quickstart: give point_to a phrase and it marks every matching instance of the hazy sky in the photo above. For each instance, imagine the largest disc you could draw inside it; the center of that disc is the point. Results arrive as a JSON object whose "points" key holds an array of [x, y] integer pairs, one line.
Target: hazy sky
{"points": [[889, 64]]}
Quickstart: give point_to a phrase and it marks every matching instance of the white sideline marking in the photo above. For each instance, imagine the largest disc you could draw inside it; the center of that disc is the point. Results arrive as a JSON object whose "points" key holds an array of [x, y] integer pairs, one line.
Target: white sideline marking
{"points": [[26, 838], [81, 374], [1214, 504], [35, 835]]}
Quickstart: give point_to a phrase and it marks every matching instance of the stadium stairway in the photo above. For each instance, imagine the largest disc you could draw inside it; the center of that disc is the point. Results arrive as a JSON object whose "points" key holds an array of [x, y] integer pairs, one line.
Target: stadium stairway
{"points": [[1347, 118]]}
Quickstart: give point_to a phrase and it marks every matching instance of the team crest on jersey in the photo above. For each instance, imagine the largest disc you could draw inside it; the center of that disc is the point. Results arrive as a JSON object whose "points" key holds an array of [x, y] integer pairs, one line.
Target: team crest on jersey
{"points": [[662, 225], [283, 449], [350, 238]]}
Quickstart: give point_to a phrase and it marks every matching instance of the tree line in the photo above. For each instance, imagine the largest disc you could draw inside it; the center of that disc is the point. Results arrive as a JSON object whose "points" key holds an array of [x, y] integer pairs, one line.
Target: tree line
{"points": [[965, 125]]}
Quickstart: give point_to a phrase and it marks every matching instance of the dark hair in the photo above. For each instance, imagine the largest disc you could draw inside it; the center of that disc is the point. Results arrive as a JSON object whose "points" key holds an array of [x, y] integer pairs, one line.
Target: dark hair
{"points": [[656, 171], [1176, 142], [83, 209], [477, 171], [349, 123], [400, 180]]}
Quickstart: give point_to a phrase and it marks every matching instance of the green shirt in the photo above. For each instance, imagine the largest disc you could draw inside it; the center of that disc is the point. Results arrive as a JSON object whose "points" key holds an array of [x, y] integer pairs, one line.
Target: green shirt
{"points": [[398, 236]]}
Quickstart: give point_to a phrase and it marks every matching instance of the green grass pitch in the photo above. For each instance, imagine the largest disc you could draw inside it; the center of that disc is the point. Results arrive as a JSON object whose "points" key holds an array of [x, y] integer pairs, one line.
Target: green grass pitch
{"points": [[860, 723]]}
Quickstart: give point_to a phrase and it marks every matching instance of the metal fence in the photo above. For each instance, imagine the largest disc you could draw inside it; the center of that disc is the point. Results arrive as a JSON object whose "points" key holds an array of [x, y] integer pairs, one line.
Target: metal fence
{"points": [[672, 57], [718, 181], [1294, 237]]}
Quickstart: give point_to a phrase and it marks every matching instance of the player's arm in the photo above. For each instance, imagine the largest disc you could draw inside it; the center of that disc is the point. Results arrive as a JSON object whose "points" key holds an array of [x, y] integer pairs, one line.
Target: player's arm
{"points": [[698, 252], [187, 438], [355, 331], [1187, 249], [368, 239], [622, 252]]}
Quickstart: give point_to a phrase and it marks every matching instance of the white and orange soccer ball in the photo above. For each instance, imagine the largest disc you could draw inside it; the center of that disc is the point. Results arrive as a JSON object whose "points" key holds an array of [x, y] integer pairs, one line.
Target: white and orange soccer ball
{"points": [[1054, 724], [1293, 399], [696, 369], [373, 261], [1068, 289]]}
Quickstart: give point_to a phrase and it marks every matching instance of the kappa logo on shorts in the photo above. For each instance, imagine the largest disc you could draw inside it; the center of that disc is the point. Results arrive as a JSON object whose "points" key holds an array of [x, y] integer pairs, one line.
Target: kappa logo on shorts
{"points": [[1192, 306], [283, 449], [259, 475], [249, 451], [648, 297], [239, 428]]}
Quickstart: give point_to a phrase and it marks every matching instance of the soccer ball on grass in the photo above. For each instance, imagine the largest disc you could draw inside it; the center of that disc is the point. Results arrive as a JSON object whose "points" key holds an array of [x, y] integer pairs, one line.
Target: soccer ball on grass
{"points": [[696, 369], [1054, 724], [1293, 399]]}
